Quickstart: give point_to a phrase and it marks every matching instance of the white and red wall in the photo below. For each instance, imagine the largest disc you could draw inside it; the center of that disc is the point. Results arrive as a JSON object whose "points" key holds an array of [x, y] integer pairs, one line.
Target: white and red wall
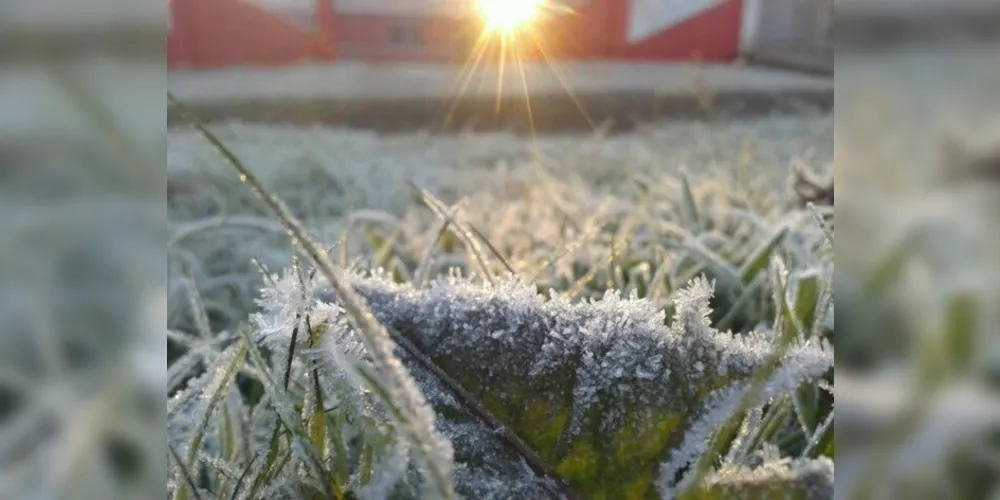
{"points": [[706, 30], [218, 33]]}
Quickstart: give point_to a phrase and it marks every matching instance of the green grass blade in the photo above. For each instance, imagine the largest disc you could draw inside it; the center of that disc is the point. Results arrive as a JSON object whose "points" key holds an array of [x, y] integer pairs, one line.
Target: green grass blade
{"points": [[689, 208], [760, 257], [888, 271], [220, 391], [186, 475], [961, 326], [242, 478]]}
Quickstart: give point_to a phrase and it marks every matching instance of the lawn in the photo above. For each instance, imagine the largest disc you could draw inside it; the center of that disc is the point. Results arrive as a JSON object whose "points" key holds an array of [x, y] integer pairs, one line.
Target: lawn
{"points": [[641, 315]]}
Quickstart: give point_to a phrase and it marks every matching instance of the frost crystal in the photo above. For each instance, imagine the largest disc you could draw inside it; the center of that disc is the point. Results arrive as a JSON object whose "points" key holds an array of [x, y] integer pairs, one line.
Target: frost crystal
{"points": [[784, 478], [603, 390]]}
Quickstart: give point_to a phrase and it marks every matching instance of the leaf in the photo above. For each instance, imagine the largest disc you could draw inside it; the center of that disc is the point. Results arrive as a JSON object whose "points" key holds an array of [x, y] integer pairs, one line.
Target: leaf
{"points": [[553, 372]]}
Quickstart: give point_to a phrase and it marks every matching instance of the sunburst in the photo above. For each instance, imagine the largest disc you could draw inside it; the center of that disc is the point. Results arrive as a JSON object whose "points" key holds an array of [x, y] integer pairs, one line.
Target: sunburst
{"points": [[512, 29], [509, 17]]}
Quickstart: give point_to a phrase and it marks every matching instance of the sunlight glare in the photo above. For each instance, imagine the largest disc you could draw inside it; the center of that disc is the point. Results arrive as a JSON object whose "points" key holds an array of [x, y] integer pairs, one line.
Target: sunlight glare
{"points": [[509, 16]]}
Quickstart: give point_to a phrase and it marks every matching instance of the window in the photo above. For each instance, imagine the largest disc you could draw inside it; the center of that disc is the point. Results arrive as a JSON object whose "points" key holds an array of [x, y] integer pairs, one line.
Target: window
{"points": [[406, 35]]}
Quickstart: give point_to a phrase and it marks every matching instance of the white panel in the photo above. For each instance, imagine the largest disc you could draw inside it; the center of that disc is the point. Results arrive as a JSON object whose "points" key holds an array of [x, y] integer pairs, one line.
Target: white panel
{"points": [[649, 17]]}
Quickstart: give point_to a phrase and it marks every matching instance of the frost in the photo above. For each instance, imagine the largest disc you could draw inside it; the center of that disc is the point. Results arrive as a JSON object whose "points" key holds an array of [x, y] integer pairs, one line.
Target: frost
{"points": [[566, 376], [364, 355], [784, 478], [386, 474], [586, 384], [799, 366]]}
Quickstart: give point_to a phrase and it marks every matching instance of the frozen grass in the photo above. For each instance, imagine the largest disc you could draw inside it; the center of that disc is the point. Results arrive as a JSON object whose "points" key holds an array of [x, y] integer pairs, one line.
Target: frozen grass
{"points": [[552, 209], [594, 393]]}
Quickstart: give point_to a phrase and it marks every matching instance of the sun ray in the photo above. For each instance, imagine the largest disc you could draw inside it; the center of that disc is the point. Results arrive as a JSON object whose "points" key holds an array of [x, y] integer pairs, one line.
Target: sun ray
{"points": [[527, 94], [504, 41], [540, 43], [483, 74], [468, 71], [508, 22]]}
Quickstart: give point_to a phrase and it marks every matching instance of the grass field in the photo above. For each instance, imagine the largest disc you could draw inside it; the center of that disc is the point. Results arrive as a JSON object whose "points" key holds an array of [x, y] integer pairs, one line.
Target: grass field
{"points": [[639, 214]]}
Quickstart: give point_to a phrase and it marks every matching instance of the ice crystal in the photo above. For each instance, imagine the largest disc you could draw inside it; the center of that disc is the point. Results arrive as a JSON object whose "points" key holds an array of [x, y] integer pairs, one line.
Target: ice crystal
{"points": [[387, 474], [603, 390], [784, 478]]}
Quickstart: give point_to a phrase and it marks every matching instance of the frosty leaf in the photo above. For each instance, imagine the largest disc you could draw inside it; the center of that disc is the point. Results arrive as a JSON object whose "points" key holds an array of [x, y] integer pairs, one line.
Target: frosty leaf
{"points": [[604, 391]]}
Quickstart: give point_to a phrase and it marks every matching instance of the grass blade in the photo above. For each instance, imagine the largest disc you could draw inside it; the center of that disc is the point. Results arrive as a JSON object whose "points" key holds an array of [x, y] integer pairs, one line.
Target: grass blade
{"points": [[689, 208], [374, 336], [186, 475], [243, 476], [760, 257]]}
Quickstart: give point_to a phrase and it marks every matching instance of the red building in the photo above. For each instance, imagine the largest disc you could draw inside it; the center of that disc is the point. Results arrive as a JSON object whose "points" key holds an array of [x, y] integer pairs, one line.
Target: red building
{"points": [[217, 33]]}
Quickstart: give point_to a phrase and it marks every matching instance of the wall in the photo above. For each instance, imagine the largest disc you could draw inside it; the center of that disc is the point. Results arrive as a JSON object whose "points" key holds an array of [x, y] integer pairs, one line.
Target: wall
{"points": [[219, 33], [655, 30], [213, 33], [581, 34], [705, 30], [789, 32], [387, 38]]}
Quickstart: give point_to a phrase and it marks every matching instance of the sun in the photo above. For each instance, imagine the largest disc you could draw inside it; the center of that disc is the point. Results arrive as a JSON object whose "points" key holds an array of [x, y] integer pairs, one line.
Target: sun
{"points": [[509, 16]]}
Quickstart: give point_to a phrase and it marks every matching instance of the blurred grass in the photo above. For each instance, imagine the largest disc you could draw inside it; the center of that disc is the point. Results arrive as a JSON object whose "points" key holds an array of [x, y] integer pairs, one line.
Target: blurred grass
{"points": [[918, 270], [82, 272]]}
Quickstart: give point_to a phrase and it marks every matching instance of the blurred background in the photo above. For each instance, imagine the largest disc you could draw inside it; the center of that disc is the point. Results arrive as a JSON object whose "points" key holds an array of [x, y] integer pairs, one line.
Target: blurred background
{"points": [[82, 261], [85, 278], [917, 122]]}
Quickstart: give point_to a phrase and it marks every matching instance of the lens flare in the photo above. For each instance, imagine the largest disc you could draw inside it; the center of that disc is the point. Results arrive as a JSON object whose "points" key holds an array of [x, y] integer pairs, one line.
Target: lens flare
{"points": [[509, 16]]}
